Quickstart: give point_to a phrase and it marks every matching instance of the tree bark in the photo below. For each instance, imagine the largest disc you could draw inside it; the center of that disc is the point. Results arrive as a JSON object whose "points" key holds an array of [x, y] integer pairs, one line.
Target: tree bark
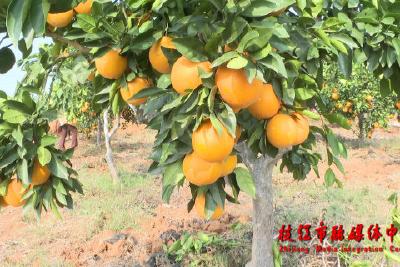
{"points": [[108, 134], [261, 168], [98, 136], [361, 126]]}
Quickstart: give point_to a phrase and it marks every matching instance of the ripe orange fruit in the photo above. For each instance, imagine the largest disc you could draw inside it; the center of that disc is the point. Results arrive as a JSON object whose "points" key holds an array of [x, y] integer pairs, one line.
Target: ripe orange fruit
{"points": [[200, 205], [229, 165], [211, 146], [14, 194], [134, 87], [40, 174], [185, 74], [349, 104], [234, 88], [85, 107], [60, 20], [199, 171], [281, 131], [335, 96], [157, 59], [84, 8], [303, 128], [238, 133], [267, 105], [111, 65], [398, 105]]}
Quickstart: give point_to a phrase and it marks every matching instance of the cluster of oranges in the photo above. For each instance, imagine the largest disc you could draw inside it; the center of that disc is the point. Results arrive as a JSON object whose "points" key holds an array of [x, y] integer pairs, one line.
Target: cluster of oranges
{"points": [[16, 190], [63, 19], [212, 156], [211, 159], [212, 149]]}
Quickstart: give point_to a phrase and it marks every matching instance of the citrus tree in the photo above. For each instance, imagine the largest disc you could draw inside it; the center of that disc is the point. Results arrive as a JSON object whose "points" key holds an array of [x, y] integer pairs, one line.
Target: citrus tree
{"points": [[228, 85], [359, 99]]}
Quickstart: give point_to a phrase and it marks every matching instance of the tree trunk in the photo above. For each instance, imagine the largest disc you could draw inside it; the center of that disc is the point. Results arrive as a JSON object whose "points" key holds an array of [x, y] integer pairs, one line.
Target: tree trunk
{"points": [[263, 217], [361, 126], [107, 138], [98, 136]]}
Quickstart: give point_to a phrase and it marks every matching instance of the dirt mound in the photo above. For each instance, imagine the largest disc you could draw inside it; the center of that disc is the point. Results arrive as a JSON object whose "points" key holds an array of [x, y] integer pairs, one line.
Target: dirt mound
{"points": [[142, 247]]}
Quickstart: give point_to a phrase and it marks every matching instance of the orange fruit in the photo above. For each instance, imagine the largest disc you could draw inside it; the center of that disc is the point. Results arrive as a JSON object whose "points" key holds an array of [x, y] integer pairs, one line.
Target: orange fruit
{"points": [[134, 87], [303, 128], [85, 107], [201, 172], [40, 174], [157, 59], [234, 88], [208, 144], [281, 131], [398, 105], [267, 105], [111, 65], [84, 7], [229, 165], [185, 74], [238, 133], [200, 205], [369, 98], [14, 194], [335, 96], [60, 20]]}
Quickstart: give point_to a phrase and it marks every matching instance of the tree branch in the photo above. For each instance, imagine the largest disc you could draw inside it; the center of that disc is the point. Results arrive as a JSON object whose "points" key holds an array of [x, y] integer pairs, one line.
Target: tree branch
{"points": [[75, 44], [115, 127]]}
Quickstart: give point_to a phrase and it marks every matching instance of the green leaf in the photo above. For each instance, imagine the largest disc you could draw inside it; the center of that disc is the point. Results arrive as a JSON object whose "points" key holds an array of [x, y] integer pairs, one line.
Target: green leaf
{"points": [[304, 93], [245, 181], [14, 116], [151, 91], [16, 15], [311, 114], [238, 63], [18, 136], [173, 175], [37, 16], [191, 48], [22, 171], [57, 168], [224, 58], [86, 22], [339, 119], [48, 140], [44, 156], [329, 178], [345, 64]]}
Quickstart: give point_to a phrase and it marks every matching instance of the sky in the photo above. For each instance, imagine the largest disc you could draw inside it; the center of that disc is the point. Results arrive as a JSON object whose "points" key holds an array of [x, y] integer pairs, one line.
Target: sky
{"points": [[9, 80]]}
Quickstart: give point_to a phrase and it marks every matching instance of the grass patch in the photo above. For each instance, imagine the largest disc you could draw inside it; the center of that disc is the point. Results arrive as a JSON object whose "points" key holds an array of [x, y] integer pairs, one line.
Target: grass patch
{"points": [[112, 207]]}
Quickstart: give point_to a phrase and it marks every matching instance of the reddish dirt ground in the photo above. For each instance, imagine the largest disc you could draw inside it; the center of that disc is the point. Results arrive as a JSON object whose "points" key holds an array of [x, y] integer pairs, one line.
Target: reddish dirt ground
{"points": [[68, 243]]}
